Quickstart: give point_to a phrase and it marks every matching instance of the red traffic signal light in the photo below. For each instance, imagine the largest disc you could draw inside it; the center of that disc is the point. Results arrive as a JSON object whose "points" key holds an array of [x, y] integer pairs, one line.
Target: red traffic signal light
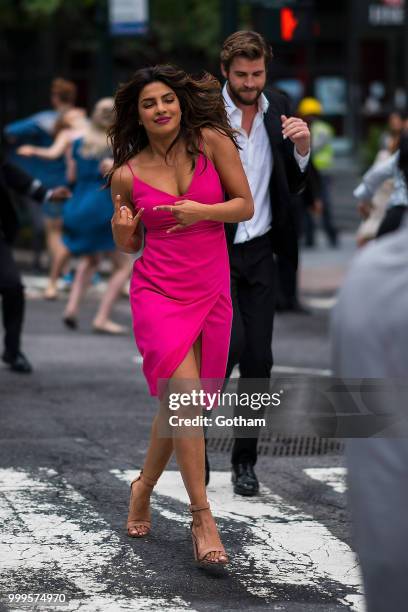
{"points": [[288, 23]]}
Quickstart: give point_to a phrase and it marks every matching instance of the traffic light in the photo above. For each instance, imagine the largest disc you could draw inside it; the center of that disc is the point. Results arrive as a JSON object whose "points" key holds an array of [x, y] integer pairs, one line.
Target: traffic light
{"points": [[288, 23]]}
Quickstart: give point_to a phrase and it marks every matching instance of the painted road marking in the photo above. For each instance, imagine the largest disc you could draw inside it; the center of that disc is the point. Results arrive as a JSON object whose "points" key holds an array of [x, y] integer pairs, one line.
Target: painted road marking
{"points": [[34, 287], [306, 371], [334, 477], [320, 303], [285, 546], [47, 526], [138, 359]]}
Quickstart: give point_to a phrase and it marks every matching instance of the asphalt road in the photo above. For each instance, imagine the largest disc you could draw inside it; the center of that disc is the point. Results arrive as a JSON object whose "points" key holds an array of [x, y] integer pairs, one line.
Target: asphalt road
{"points": [[72, 437]]}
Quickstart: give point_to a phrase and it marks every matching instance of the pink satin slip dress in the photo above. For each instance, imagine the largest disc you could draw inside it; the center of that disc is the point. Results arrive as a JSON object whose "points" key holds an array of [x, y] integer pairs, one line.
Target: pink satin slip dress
{"points": [[180, 286]]}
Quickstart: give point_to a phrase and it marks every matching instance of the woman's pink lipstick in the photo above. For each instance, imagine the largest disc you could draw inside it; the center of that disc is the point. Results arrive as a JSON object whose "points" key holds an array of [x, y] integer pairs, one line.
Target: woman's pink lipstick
{"points": [[162, 120]]}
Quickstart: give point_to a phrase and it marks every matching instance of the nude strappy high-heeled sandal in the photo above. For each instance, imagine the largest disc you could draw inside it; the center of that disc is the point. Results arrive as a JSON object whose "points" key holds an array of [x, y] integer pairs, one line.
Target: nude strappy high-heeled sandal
{"points": [[132, 521], [200, 554]]}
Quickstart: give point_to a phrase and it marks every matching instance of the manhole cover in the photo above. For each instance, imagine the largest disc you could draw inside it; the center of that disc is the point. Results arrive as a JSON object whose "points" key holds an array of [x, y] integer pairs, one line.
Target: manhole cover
{"points": [[279, 445]]}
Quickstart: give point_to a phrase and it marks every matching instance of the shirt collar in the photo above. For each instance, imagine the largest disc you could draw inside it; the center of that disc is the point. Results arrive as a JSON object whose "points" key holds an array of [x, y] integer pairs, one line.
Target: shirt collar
{"points": [[231, 107]]}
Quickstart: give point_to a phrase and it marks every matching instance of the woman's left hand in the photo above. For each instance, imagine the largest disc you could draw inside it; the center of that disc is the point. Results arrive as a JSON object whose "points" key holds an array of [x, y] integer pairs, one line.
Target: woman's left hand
{"points": [[186, 212]]}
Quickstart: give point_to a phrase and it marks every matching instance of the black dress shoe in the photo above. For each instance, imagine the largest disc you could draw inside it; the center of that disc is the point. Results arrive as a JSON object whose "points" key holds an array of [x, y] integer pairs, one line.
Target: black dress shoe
{"points": [[19, 363], [244, 479]]}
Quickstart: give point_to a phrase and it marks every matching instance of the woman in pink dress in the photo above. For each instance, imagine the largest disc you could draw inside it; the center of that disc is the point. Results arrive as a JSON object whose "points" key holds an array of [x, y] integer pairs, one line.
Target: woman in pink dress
{"points": [[174, 158]]}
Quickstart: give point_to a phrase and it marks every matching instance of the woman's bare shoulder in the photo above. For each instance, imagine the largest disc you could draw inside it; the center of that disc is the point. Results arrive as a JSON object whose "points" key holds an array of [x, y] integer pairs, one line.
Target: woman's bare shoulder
{"points": [[122, 181], [212, 136], [215, 141], [122, 173]]}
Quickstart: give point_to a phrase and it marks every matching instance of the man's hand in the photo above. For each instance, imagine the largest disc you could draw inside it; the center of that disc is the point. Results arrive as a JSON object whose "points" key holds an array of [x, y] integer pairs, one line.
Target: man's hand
{"points": [[125, 226], [186, 212], [60, 193], [298, 132]]}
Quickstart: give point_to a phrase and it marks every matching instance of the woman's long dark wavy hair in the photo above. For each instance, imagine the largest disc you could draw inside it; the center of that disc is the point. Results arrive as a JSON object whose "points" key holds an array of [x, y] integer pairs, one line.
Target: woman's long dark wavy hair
{"points": [[201, 104]]}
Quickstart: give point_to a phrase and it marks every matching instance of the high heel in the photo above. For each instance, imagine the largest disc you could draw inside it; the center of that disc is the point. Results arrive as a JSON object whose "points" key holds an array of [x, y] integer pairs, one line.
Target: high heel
{"points": [[70, 322], [135, 522], [200, 554]]}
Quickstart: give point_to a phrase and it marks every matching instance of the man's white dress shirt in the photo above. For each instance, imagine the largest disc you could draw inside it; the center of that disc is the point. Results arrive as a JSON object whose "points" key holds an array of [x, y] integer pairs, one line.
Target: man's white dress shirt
{"points": [[257, 160]]}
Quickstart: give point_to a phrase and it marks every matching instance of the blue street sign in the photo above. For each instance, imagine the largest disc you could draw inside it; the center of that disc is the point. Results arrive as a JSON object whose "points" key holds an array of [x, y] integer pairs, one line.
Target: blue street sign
{"points": [[128, 17]]}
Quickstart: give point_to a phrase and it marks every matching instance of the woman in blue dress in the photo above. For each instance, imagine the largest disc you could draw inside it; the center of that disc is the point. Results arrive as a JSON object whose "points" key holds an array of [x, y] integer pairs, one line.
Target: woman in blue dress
{"points": [[87, 222], [72, 126]]}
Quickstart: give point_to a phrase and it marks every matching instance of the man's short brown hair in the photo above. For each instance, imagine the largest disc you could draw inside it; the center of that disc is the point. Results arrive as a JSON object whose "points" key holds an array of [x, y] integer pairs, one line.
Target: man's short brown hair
{"points": [[65, 90], [245, 43]]}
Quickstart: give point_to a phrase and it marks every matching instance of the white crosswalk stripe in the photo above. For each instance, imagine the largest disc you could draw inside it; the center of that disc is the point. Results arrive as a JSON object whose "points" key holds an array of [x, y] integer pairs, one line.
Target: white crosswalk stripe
{"points": [[51, 537], [334, 477], [285, 546], [49, 528]]}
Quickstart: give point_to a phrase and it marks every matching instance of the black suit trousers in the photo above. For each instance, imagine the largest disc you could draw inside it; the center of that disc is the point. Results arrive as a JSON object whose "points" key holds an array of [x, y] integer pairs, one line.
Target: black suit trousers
{"points": [[253, 291], [12, 294]]}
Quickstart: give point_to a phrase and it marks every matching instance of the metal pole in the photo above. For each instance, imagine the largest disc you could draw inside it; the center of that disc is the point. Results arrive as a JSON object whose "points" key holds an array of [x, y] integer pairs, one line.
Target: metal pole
{"points": [[104, 85], [229, 17], [405, 46], [353, 117]]}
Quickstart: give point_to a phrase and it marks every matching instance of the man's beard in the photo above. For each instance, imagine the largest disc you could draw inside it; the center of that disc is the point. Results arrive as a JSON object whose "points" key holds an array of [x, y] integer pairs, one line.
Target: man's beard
{"points": [[246, 101]]}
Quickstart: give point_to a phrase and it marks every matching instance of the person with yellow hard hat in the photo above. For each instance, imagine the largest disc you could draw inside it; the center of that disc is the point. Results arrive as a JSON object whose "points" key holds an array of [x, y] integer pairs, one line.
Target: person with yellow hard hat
{"points": [[322, 133]]}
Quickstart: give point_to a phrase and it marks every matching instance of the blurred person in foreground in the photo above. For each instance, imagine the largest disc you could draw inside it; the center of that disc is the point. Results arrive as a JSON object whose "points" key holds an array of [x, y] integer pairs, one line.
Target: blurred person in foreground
{"points": [[311, 110], [374, 179], [13, 178], [40, 130], [86, 224], [274, 151], [370, 340]]}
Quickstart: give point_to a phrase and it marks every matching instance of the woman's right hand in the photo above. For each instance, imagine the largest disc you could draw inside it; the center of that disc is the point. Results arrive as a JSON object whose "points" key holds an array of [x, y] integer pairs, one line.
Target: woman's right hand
{"points": [[125, 227]]}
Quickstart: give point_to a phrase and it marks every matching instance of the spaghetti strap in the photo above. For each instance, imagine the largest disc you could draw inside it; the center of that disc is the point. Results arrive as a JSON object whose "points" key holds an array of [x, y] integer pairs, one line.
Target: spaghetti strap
{"points": [[130, 168], [179, 291]]}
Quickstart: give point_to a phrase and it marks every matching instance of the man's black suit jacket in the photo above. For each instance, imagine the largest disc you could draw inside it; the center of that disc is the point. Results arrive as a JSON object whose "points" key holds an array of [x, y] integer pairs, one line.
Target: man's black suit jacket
{"points": [[15, 179], [286, 180]]}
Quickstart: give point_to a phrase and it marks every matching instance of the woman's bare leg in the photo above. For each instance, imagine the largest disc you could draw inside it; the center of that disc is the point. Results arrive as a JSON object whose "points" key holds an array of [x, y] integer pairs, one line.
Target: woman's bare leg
{"points": [[58, 264], [84, 272], [120, 275], [158, 455], [58, 252], [190, 454], [53, 233]]}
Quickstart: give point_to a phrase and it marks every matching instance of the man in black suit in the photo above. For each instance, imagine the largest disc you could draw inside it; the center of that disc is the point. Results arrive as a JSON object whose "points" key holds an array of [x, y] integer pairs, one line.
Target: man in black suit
{"points": [[275, 149], [11, 287]]}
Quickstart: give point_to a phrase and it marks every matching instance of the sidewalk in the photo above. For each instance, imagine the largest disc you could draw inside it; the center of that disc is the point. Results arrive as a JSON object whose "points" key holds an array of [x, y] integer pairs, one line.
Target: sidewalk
{"points": [[323, 269]]}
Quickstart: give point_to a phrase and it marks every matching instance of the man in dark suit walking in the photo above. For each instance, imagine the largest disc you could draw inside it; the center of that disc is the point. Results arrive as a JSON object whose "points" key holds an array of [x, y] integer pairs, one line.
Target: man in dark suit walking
{"points": [[275, 149], [11, 287]]}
